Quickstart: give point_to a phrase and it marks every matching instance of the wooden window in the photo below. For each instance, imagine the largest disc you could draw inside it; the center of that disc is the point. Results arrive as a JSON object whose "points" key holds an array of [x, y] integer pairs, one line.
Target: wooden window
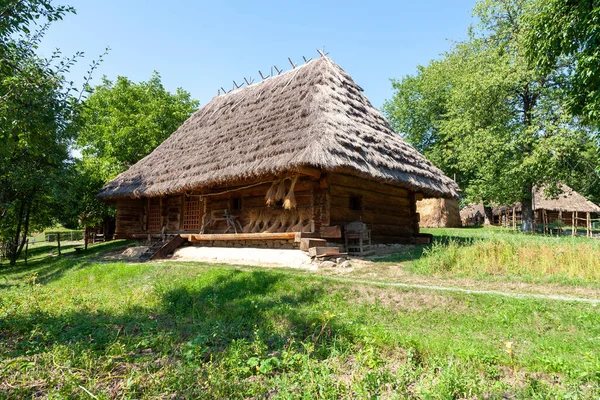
{"points": [[154, 215], [355, 202], [236, 203], [192, 214]]}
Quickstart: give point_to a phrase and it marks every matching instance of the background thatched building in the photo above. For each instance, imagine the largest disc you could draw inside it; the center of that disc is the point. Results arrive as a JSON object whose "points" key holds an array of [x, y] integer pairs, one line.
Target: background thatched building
{"points": [[298, 152], [438, 213], [568, 208]]}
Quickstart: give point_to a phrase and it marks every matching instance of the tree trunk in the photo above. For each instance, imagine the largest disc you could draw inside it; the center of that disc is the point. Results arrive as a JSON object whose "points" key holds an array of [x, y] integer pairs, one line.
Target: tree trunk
{"points": [[14, 247], [488, 216], [527, 214], [85, 240]]}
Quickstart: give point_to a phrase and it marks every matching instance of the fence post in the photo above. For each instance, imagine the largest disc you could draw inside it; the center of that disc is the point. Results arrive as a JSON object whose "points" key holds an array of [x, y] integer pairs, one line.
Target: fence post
{"points": [[58, 240]]}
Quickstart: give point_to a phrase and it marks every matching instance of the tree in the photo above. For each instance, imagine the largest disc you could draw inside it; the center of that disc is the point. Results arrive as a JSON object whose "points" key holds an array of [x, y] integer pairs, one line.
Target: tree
{"points": [[559, 29], [38, 110], [487, 114], [124, 121]]}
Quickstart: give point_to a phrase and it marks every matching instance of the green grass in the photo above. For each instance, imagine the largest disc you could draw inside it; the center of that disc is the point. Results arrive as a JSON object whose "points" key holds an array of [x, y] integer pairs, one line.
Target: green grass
{"points": [[500, 254], [78, 326]]}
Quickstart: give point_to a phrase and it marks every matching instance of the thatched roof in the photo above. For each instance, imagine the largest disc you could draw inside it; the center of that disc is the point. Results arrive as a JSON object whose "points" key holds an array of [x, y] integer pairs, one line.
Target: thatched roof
{"points": [[311, 116], [568, 200]]}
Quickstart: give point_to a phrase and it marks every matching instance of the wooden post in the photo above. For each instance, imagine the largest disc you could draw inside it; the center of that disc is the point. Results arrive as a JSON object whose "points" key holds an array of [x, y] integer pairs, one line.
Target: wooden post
{"points": [[514, 218], [588, 232], [560, 222], [26, 250], [58, 241], [545, 218], [574, 222]]}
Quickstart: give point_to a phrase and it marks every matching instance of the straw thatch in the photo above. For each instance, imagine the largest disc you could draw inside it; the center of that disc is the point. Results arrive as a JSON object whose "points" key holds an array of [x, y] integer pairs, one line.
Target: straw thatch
{"points": [[438, 213], [313, 115], [569, 200]]}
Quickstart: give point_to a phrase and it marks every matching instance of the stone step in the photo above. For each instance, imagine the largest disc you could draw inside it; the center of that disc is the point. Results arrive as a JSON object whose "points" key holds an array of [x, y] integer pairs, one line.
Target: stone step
{"points": [[307, 243]]}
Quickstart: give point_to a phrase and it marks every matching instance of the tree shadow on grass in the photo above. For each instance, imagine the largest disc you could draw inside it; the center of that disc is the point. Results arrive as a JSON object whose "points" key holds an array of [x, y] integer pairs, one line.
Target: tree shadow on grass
{"points": [[206, 315]]}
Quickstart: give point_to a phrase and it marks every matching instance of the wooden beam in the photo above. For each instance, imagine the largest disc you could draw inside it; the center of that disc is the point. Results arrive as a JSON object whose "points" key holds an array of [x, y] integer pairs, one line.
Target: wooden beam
{"points": [[310, 171], [205, 237], [331, 232]]}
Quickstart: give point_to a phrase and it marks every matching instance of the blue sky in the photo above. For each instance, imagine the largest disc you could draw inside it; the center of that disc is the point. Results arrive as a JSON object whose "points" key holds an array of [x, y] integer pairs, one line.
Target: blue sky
{"points": [[201, 46]]}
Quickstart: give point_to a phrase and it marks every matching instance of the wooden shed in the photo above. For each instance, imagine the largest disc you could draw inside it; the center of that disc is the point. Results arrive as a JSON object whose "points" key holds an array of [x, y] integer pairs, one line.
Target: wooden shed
{"points": [[303, 151]]}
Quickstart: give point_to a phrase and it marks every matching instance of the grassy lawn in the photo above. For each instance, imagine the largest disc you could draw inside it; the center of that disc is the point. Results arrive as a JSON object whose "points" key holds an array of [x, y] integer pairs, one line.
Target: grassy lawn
{"points": [[497, 254], [80, 326]]}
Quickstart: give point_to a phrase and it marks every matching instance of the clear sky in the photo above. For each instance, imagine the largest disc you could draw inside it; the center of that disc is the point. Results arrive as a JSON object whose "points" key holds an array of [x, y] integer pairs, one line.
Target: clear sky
{"points": [[201, 45]]}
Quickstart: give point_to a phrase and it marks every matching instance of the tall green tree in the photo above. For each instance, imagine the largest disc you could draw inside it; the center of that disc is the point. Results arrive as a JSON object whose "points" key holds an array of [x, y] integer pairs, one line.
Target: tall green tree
{"points": [[121, 123], [37, 109], [486, 113], [563, 29], [124, 121]]}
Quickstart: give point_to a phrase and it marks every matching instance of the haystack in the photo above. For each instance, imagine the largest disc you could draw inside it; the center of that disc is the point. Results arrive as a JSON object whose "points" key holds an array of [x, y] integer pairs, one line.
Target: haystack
{"points": [[438, 213]]}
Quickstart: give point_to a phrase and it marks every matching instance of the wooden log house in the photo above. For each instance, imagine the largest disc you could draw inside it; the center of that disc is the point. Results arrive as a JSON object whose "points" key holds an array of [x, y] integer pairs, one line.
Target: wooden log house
{"points": [[303, 151]]}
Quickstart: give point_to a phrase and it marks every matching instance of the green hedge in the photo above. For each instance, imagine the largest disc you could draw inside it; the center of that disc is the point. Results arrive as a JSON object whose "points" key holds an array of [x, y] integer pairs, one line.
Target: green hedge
{"points": [[65, 235]]}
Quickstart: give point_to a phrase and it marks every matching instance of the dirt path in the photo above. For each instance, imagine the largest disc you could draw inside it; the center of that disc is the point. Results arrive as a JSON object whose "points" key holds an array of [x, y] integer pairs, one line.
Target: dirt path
{"points": [[461, 290]]}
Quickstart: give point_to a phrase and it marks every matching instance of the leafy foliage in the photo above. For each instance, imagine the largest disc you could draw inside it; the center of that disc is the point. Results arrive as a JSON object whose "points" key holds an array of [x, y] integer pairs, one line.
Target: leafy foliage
{"points": [[484, 113], [38, 107], [123, 121], [561, 29]]}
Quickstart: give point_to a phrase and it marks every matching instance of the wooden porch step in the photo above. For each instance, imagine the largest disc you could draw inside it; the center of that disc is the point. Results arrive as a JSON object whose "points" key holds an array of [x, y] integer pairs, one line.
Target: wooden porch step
{"points": [[307, 243], [162, 249], [323, 251]]}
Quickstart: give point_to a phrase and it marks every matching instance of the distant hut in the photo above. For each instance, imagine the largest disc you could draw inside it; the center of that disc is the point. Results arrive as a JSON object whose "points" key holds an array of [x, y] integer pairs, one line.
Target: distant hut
{"points": [[438, 213], [568, 208], [300, 152], [472, 215]]}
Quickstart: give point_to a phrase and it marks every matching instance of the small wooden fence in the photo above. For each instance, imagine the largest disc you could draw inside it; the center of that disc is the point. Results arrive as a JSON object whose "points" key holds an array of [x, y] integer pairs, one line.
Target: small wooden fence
{"points": [[553, 223]]}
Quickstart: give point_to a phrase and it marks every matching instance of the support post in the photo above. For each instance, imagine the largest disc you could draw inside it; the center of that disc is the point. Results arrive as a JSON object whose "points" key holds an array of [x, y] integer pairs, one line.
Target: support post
{"points": [[545, 218], [588, 225], [574, 222], [58, 241], [560, 222], [514, 218]]}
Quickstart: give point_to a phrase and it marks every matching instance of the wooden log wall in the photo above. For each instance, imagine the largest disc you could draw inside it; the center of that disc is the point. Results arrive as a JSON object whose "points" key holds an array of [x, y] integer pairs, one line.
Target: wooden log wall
{"points": [[389, 211], [253, 205], [172, 212], [130, 217]]}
